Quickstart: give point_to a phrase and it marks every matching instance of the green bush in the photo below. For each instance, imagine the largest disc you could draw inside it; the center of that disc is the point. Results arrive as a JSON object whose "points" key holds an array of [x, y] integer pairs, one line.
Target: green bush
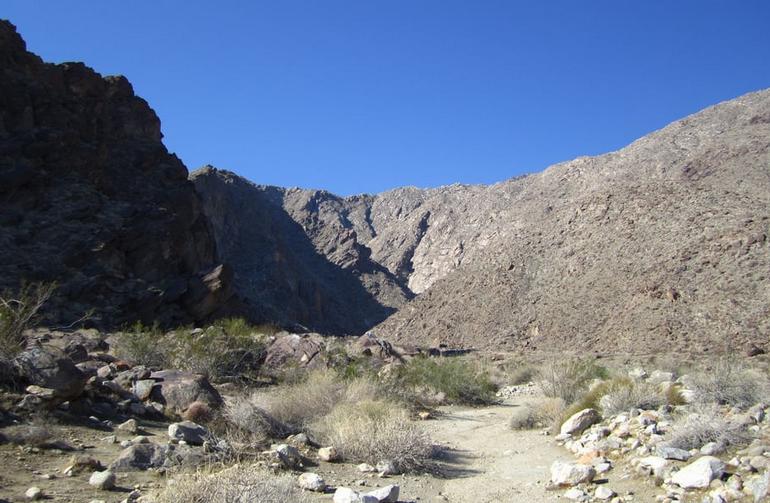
{"points": [[142, 345], [459, 380], [231, 348]]}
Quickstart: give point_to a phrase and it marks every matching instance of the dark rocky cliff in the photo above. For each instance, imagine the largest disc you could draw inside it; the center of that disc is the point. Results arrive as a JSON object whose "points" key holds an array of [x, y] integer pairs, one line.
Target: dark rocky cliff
{"points": [[90, 198]]}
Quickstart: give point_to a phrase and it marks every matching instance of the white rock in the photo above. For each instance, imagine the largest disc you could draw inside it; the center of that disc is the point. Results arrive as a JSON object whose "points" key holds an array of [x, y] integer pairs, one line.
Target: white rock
{"points": [[102, 480], [603, 493], [34, 493], [710, 449], [312, 482], [575, 494], [699, 473], [366, 468], [570, 474], [347, 495], [580, 421], [387, 494]]}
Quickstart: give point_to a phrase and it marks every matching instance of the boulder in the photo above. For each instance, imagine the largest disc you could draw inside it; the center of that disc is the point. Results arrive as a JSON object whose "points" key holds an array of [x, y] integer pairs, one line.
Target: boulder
{"points": [[303, 350], [142, 388], [565, 474], [34, 494], [177, 390], [192, 433], [140, 457], [130, 426], [699, 473], [102, 480], [312, 482], [580, 421], [49, 367]]}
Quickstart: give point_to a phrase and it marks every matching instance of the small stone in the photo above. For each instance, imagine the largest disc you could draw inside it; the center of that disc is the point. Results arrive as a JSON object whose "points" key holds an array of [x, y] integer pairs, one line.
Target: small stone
{"points": [[103, 480], [387, 494], [710, 449], [34, 493], [329, 454], [289, 455], [312, 482], [366, 468], [604, 493], [575, 494]]}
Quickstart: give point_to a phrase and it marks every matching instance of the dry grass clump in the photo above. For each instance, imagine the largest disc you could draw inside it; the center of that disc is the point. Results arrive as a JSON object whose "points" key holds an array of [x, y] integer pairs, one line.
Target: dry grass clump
{"points": [[19, 312], [237, 484], [703, 425], [729, 383], [371, 431], [568, 379], [625, 395], [299, 404], [547, 413]]}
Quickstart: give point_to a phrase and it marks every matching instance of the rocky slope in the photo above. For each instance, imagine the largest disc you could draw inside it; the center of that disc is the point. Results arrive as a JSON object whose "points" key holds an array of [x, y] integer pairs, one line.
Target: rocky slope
{"points": [[660, 245], [662, 241], [91, 199]]}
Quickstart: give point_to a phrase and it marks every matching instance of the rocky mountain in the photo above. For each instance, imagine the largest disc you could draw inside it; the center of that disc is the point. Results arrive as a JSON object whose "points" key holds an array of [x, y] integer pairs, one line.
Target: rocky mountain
{"points": [[662, 242], [91, 199]]}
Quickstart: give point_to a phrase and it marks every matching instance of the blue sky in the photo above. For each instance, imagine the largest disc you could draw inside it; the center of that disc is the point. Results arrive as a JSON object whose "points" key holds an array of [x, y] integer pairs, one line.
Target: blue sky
{"points": [[361, 96]]}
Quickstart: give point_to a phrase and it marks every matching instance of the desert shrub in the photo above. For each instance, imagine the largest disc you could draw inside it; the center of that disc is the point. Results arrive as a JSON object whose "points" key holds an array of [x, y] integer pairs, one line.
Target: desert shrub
{"points": [[18, 312], [568, 379], [457, 379], [729, 383], [230, 349], [703, 425], [524, 418], [522, 375], [376, 430], [237, 484], [623, 395], [247, 427], [142, 345]]}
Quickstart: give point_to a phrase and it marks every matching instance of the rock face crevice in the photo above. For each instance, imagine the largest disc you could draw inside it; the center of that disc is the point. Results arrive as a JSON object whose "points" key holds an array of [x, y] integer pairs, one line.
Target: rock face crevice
{"points": [[92, 200]]}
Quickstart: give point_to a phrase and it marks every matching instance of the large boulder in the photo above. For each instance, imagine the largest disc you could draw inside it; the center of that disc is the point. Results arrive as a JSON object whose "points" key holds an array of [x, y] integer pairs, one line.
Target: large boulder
{"points": [[49, 367], [177, 390], [580, 421], [571, 474], [699, 473], [140, 457], [303, 350]]}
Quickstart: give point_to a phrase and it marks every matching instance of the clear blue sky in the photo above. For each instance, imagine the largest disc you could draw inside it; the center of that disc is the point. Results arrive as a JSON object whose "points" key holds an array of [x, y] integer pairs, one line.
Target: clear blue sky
{"points": [[361, 96]]}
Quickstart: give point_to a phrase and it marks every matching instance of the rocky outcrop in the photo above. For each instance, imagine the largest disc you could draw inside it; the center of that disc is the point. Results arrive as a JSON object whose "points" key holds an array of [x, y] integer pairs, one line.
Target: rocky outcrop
{"points": [[296, 257], [92, 200]]}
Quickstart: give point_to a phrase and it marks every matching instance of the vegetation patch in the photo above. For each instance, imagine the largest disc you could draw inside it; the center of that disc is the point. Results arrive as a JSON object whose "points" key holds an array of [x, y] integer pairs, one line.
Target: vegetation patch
{"points": [[452, 380]]}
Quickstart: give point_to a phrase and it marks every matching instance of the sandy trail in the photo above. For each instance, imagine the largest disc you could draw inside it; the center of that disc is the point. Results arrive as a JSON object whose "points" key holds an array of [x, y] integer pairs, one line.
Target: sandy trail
{"points": [[488, 462]]}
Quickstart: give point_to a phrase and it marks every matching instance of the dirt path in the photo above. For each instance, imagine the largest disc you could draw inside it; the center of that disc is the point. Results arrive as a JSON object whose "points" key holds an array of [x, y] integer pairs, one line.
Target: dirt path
{"points": [[489, 462]]}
